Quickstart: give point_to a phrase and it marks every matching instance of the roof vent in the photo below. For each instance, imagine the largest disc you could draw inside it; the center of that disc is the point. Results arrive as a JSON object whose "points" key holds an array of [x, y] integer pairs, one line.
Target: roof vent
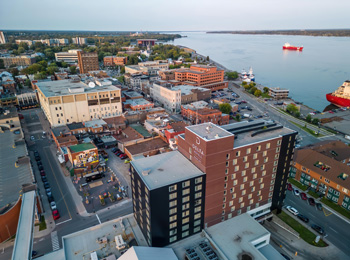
{"points": [[217, 136], [146, 172]]}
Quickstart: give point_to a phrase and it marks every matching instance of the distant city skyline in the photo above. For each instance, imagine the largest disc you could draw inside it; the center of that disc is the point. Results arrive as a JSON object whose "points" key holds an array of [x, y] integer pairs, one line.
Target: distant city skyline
{"points": [[153, 15]]}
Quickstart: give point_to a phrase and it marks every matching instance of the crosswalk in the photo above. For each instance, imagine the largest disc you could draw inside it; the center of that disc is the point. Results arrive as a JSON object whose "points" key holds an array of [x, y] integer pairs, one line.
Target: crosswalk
{"points": [[54, 240]]}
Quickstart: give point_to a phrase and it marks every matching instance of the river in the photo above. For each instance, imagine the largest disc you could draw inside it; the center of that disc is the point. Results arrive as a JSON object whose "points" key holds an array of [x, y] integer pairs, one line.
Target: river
{"points": [[320, 68]]}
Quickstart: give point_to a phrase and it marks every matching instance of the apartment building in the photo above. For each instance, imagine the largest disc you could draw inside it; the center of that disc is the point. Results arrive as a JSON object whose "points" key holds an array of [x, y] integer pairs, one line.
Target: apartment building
{"points": [[146, 42], [149, 67], [23, 60], [325, 169], [167, 74], [171, 97], [70, 57], [79, 40], [67, 101], [278, 93], [168, 197], [204, 115], [246, 166], [87, 61], [114, 60], [201, 75], [3, 37]]}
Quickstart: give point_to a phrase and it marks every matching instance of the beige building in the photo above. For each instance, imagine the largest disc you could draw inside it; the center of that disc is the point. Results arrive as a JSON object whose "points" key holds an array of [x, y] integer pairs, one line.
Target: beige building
{"points": [[66, 101], [148, 67], [70, 57], [279, 93], [18, 60]]}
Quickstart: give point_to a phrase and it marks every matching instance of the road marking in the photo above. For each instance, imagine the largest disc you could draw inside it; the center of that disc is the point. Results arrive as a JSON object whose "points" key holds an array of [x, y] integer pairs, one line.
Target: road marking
{"points": [[292, 202], [54, 241], [54, 175], [312, 215], [333, 230], [63, 222], [327, 214], [98, 219]]}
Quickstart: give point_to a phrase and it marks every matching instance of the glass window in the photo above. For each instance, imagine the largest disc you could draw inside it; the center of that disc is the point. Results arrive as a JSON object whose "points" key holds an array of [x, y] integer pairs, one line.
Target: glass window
{"points": [[172, 232], [198, 195], [172, 211], [198, 215], [185, 213], [196, 229], [185, 199], [172, 188], [249, 150], [197, 209], [172, 218], [185, 234], [236, 168], [172, 196], [185, 220], [185, 206], [185, 227], [198, 187], [172, 239], [197, 222], [234, 162], [185, 184], [172, 203], [268, 145], [198, 180], [185, 191]]}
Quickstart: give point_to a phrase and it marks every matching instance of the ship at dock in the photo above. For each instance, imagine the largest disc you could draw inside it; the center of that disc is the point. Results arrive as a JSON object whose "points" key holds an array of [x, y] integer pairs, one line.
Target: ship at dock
{"points": [[340, 97], [287, 46], [248, 76]]}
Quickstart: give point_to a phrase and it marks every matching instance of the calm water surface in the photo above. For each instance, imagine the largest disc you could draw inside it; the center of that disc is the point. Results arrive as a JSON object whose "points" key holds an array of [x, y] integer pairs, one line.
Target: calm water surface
{"points": [[320, 68]]}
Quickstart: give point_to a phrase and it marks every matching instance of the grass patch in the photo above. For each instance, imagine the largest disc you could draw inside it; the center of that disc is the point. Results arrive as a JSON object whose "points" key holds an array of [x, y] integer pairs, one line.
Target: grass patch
{"points": [[298, 184], [313, 194], [42, 225], [265, 95], [312, 132], [304, 233], [336, 207]]}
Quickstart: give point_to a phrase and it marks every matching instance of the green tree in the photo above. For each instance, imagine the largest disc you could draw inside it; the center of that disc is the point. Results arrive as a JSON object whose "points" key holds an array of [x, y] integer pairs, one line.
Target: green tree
{"points": [[2, 66], [121, 79], [308, 118], [232, 75], [21, 50], [64, 64], [252, 84], [292, 109], [27, 83], [122, 69], [297, 114], [32, 69], [41, 75], [315, 121], [244, 83], [252, 90], [23, 45], [14, 72], [266, 90], [225, 108], [43, 63], [73, 69], [238, 117], [208, 59], [52, 69], [257, 93]]}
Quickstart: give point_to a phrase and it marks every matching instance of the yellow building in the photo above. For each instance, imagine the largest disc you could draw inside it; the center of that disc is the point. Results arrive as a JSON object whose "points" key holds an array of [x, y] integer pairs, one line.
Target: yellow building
{"points": [[67, 101]]}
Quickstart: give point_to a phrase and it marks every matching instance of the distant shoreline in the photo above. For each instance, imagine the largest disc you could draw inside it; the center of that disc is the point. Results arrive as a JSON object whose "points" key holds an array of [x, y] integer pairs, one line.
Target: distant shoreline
{"points": [[323, 33]]}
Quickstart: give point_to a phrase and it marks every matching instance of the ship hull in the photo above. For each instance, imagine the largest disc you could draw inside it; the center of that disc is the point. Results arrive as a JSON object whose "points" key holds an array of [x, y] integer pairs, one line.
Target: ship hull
{"points": [[338, 101], [293, 48]]}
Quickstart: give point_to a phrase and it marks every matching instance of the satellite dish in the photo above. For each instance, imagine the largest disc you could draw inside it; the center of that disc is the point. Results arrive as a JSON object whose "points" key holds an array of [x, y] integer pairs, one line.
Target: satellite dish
{"points": [[91, 85]]}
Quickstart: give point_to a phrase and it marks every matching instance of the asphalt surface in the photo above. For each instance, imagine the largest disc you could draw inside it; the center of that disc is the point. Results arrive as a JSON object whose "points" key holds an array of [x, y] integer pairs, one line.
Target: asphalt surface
{"points": [[336, 229]]}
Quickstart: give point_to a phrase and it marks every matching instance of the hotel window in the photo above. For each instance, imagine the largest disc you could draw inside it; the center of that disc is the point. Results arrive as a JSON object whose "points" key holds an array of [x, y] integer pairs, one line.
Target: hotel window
{"points": [[279, 142], [172, 188], [185, 184], [240, 200], [253, 169], [185, 191], [172, 232], [242, 186], [185, 199], [268, 145], [255, 156], [270, 194], [236, 168], [233, 176], [226, 178], [186, 206], [275, 163], [248, 150], [223, 205], [172, 218], [233, 208], [233, 195], [251, 183], [256, 162], [262, 185], [238, 153], [197, 202], [185, 213], [226, 171], [257, 204], [266, 159], [172, 239], [264, 153], [244, 173], [230, 203], [245, 179], [172, 203], [255, 176], [274, 169], [276, 156], [259, 192], [198, 187], [243, 192], [172, 196], [245, 158], [262, 167], [198, 180], [185, 220], [271, 188], [258, 148], [197, 209], [227, 156], [225, 192], [198, 195], [246, 165], [226, 164], [242, 205], [260, 180], [277, 150], [234, 161], [251, 202], [197, 222], [272, 182], [172, 211], [185, 227], [260, 198]]}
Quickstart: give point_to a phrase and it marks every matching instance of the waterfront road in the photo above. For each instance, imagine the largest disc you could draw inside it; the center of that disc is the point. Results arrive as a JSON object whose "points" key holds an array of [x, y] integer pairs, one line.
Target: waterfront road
{"points": [[336, 229]]}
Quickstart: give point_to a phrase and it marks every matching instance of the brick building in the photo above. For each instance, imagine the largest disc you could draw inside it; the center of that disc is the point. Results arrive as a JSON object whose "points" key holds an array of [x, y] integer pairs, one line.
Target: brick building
{"points": [[83, 157], [167, 74], [114, 60], [204, 115], [138, 104], [201, 75], [325, 169], [146, 42], [87, 61], [18, 60]]}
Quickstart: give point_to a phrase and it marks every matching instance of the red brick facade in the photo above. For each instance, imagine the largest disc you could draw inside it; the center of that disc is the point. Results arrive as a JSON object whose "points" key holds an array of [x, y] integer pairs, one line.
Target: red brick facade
{"points": [[205, 115], [114, 60]]}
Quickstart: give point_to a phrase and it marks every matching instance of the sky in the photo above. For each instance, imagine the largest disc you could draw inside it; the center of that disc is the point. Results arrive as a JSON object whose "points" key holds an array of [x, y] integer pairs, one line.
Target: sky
{"points": [[168, 15]]}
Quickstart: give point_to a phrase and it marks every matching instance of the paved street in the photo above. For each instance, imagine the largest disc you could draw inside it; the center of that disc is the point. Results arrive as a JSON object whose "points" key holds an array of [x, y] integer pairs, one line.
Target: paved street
{"points": [[336, 229]]}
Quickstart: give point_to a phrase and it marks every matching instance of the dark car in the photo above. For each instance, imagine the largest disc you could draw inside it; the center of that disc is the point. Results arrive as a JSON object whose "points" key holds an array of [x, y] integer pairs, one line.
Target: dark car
{"points": [[50, 198], [115, 150], [124, 157], [289, 186], [303, 218], [43, 178], [40, 167], [317, 228], [46, 185], [319, 206], [118, 153], [39, 163], [311, 201], [37, 158]]}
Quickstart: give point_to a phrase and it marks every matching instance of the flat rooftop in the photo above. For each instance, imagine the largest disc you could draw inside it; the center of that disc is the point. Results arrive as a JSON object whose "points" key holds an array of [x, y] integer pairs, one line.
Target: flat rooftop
{"points": [[81, 147], [165, 169], [8, 113], [95, 123], [187, 89], [146, 146], [255, 131], [137, 102], [209, 131], [230, 240], [68, 87], [132, 94], [13, 149], [149, 253]]}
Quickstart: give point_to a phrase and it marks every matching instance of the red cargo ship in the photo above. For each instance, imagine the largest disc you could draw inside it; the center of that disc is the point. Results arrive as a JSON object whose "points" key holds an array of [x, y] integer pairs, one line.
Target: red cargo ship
{"points": [[287, 46], [340, 97]]}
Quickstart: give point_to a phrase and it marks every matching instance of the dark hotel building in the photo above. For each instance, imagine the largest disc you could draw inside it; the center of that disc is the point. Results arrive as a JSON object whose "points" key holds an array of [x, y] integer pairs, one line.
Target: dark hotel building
{"points": [[87, 61]]}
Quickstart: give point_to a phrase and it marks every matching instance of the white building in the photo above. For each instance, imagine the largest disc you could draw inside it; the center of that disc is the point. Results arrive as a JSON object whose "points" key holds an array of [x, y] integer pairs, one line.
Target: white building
{"points": [[79, 40], [3, 38], [168, 97], [70, 57]]}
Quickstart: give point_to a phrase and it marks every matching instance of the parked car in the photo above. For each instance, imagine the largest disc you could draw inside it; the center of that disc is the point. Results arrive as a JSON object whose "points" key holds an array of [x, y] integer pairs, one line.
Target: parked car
{"points": [[55, 214], [296, 192], [37, 158], [39, 163], [243, 101], [292, 210], [319, 206], [303, 218], [289, 186], [118, 153], [50, 198], [32, 138], [53, 205], [127, 161], [42, 173], [40, 167], [317, 228], [311, 201], [43, 178], [46, 185], [303, 196], [124, 157], [121, 155], [115, 150]]}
